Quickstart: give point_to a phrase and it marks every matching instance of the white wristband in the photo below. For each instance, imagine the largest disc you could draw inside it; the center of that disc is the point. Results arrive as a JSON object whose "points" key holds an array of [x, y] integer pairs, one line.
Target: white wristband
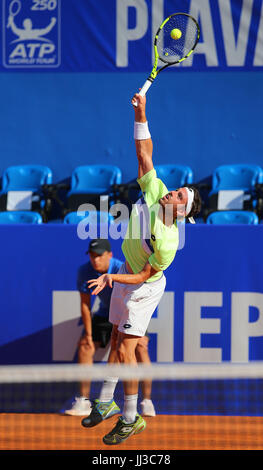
{"points": [[141, 131]]}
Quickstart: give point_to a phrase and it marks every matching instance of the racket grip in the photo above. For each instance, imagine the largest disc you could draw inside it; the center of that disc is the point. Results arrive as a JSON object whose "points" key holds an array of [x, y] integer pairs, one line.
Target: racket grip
{"points": [[144, 89]]}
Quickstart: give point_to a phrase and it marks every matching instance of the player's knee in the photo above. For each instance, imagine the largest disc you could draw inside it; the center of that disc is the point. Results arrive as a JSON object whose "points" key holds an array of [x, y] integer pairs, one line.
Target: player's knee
{"points": [[125, 354], [142, 347], [142, 354], [121, 354]]}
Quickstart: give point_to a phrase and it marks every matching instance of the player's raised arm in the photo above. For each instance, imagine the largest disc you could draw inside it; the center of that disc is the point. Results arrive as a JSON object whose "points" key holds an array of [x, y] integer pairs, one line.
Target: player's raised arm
{"points": [[142, 136]]}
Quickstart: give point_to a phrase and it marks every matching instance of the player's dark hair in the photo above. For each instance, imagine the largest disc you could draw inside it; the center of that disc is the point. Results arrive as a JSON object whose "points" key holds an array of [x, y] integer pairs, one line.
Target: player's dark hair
{"points": [[197, 203]]}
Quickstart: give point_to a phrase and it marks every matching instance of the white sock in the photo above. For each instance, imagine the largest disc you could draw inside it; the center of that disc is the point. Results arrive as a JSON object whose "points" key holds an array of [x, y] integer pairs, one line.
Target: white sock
{"points": [[130, 408], [108, 389]]}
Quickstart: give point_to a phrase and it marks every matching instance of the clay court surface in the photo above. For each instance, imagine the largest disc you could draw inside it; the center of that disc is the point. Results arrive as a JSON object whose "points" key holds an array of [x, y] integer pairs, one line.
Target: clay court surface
{"points": [[58, 432]]}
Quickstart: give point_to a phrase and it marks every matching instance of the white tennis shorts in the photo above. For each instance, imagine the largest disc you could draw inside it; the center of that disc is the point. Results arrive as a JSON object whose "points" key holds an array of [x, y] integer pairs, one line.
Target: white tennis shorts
{"points": [[132, 305]]}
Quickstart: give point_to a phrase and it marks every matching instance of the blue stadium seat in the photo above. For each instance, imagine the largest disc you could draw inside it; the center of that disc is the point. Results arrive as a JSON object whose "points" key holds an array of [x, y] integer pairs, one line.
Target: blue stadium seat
{"points": [[89, 183], [238, 176], [93, 217], [232, 217], [94, 179], [20, 217], [174, 176], [233, 187], [25, 177], [22, 178]]}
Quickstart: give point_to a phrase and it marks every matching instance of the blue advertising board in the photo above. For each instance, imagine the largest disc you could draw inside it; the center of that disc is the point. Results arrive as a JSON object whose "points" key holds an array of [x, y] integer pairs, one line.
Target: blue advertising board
{"points": [[117, 35], [212, 309]]}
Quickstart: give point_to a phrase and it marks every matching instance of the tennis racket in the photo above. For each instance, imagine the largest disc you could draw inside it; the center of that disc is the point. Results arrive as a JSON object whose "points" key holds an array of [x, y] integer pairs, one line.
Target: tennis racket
{"points": [[170, 50]]}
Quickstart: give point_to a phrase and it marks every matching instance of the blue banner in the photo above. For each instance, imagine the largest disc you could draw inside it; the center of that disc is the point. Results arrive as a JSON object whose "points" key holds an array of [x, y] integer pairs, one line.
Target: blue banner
{"points": [[211, 311], [117, 35]]}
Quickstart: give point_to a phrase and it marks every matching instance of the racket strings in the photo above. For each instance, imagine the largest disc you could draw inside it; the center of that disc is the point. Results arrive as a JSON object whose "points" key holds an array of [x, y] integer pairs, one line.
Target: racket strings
{"points": [[172, 50]]}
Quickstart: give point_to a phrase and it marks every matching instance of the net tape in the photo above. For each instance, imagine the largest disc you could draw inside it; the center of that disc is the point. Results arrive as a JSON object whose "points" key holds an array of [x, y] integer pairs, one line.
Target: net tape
{"points": [[174, 371]]}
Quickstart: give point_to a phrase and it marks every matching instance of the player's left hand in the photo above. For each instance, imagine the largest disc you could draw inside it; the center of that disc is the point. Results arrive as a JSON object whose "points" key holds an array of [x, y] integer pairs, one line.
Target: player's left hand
{"points": [[100, 283]]}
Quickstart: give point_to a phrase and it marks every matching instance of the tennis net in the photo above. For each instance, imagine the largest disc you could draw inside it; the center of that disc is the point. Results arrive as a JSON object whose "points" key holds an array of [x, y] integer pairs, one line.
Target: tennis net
{"points": [[198, 406]]}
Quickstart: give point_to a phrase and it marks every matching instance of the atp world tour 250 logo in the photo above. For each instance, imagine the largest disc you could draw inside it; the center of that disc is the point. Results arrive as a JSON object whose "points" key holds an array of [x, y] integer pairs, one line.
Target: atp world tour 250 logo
{"points": [[31, 33]]}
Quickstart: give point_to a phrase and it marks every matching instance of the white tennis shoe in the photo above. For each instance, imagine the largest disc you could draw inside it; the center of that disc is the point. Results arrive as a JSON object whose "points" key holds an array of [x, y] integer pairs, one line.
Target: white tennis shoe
{"points": [[147, 408], [81, 406]]}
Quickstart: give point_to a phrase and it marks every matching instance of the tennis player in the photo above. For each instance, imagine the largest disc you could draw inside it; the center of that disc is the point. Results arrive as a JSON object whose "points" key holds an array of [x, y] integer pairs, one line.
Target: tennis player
{"points": [[149, 247], [97, 328]]}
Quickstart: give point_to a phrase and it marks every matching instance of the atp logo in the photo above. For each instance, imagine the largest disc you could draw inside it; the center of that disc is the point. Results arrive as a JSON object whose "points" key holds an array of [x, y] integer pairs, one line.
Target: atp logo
{"points": [[31, 33]]}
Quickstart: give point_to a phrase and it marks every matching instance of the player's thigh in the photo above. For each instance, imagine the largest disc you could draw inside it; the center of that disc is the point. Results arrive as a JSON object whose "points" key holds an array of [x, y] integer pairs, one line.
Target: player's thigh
{"points": [[117, 304]]}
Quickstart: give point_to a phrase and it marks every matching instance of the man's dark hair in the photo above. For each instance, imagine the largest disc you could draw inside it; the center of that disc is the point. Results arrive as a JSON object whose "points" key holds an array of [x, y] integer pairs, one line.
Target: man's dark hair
{"points": [[197, 202]]}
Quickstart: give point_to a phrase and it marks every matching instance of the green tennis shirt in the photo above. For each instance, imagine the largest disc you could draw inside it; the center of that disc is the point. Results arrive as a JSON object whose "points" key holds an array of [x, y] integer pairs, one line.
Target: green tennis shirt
{"points": [[147, 238]]}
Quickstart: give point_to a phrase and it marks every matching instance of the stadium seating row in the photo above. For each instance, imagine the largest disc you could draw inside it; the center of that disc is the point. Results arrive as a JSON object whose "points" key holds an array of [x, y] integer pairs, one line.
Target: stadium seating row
{"points": [[26, 194]]}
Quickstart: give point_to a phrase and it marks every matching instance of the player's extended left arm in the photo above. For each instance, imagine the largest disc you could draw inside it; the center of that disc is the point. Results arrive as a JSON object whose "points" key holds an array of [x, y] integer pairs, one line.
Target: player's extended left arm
{"points": [[108, 279]]}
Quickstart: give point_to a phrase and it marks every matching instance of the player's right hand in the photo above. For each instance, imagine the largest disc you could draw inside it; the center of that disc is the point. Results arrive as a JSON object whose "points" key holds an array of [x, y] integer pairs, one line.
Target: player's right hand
{"points": [[138, 101]]}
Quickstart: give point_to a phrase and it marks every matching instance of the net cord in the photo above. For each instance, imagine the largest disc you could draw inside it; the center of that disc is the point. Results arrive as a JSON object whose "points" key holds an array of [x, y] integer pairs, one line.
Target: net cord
{"points": [[175, 371]]}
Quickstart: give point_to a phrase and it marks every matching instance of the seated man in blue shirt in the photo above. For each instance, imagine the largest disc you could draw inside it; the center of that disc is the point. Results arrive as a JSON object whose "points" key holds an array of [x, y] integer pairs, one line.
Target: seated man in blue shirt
{"points": [[97, 328]]}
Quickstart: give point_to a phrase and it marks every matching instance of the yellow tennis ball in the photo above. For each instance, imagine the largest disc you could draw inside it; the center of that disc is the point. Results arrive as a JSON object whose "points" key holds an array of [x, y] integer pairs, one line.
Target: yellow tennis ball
{"points": [[176, 33]]}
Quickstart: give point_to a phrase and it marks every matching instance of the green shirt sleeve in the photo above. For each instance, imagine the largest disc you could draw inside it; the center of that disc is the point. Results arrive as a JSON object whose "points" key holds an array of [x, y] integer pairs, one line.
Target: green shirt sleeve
{"points": [[152, 187]]}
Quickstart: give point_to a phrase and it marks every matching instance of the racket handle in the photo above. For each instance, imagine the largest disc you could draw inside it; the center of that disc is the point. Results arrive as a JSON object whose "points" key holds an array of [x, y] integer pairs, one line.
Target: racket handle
{"points": [[144, 89]]}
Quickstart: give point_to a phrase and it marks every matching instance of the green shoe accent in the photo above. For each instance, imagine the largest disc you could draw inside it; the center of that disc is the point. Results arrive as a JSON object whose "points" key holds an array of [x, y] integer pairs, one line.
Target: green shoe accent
{"points": [[122, 430], [100, 411], [106, 409]]}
